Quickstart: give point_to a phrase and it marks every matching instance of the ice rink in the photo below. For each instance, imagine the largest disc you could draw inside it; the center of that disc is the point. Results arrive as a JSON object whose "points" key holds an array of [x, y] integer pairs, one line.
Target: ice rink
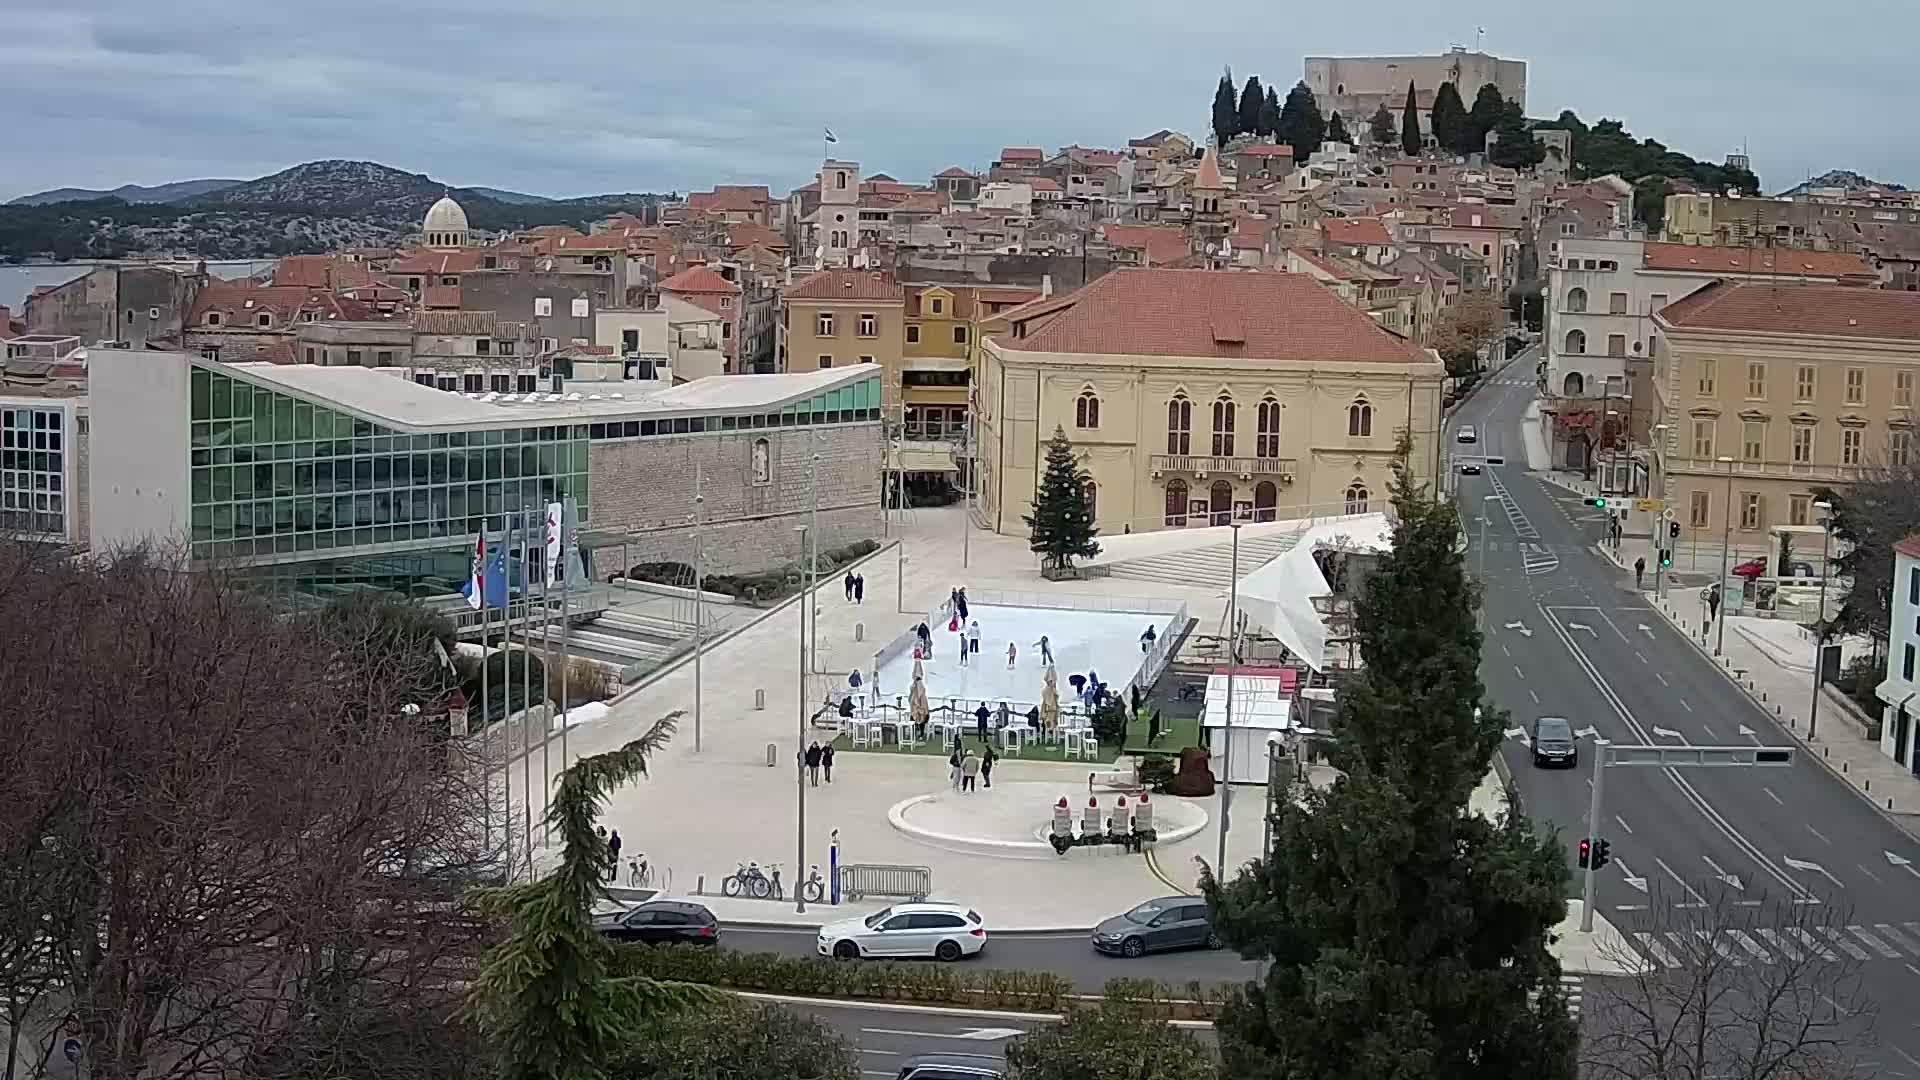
{"points": [[1106, 642]]}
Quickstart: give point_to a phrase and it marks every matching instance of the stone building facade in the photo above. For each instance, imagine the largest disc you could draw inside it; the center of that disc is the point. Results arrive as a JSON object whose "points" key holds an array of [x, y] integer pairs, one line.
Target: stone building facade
{"points": [[143, 306]]}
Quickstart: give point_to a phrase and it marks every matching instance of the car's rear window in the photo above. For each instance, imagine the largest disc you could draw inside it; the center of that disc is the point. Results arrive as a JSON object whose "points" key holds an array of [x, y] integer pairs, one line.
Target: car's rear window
{"points": [[974, 917]]}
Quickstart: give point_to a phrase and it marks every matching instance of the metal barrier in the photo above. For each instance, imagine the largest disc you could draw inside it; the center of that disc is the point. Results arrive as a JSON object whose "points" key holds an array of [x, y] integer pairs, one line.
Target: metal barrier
{"points": [[860, 880]]}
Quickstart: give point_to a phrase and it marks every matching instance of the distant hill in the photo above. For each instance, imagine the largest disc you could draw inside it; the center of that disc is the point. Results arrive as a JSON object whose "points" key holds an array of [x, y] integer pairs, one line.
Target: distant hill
{"points": [[513, 198], [1845, 179], [130, 193]]}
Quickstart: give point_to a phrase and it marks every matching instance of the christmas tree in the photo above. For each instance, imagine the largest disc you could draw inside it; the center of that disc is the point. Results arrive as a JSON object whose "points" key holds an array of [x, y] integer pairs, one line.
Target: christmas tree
{"points": [[1062, 519]]}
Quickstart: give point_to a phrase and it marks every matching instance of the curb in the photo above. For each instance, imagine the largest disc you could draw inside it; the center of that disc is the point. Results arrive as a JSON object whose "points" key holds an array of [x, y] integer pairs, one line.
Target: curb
{"points": [[945, 1010]]}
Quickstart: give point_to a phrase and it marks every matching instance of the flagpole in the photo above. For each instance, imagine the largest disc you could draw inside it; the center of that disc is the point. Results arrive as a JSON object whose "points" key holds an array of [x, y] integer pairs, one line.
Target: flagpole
{"points": [[506, 684], [526, 704], [566, 619], [546, 689], [486, 737], [699, 607]]}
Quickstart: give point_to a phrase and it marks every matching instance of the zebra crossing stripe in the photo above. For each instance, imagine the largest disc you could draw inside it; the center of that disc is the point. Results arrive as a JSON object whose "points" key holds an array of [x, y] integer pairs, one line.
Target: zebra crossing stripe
{"points": [[1875, 943], [1813, 944], [1840, 939], [1713, 941], [1780, 942], [1652, 947], [1895, 936], [1748, 944]]}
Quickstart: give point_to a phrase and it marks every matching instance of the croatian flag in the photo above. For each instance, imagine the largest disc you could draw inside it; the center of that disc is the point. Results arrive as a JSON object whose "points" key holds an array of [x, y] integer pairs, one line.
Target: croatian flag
{"points": [[476, 585], [556, 543]]}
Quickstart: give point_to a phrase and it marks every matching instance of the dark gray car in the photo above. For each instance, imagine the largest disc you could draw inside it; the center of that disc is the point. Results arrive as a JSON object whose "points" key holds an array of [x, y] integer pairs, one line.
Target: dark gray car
{"points": [[1171, 922], [1554, 745], [952, 1067]]}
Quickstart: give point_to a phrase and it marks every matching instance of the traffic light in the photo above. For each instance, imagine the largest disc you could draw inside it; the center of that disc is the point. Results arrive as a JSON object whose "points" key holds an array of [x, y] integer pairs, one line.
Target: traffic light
{"points": [[1666, 556], [1597, 500], [1673, 530], [1586, 851], [1600, 855]]}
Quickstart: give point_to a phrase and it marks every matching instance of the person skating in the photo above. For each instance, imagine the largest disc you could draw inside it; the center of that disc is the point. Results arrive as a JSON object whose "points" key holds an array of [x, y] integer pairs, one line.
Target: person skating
{"points": [[1013, 655], [813, 765], [980, 716], [926, 638], [1046, 651], [986, 766], [1639, 570], [973, 638], [826, 761], [961, 638], [969, 768], [960, 602], [613, 850]]}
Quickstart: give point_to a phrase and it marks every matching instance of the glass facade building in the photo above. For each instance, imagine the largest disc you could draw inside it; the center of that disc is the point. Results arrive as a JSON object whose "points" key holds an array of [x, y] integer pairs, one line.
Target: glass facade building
{"points": [[35, 461]]}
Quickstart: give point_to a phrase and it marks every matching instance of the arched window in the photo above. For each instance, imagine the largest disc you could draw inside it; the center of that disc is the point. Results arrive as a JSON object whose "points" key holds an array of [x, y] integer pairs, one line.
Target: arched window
{"points": [[1266, 498], [1176, 502], [1266, 441], [1220, 503], [1179, 426], [1576, 342], [1223, 411], [1574, 386], [1086, 410], [1093, 500], [1360, 419], [1357, 498], [1576, 299]]}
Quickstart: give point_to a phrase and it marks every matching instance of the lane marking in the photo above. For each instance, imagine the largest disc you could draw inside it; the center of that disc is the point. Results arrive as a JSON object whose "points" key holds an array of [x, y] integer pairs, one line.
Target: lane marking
{"points": [[1855, 951], [1517, 671], [1652, 947], [1875, 943], [1536, 697], [1750, 945], [1821, 835], [1779, 942], [1623, 824], [1698, 900], [1771, 795], [1869, 873], [1662, 678], [1709, 732], [1637, 656], [1503, 648], [1891, 934], [1684, 705], [1813, 944]]}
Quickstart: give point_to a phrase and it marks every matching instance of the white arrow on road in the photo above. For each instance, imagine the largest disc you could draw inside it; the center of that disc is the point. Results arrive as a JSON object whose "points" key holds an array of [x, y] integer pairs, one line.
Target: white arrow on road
{"points": [[1521, 627], [1667, 733], [1647, 630], [1581, 626], [1588, 732], [971, 1034], [1904, 864], [1799, 864], [1521, 734], [1726, 878], [1633, 882]]}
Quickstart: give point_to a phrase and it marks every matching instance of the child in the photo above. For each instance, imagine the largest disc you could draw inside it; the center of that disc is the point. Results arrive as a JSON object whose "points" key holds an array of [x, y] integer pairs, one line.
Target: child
{"points": [[1013, 653]]}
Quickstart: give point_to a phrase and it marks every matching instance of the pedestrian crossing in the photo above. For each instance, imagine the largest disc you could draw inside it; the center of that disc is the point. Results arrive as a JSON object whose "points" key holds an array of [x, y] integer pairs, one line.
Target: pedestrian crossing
{"points": [[1538, 558], [1759, 945]]}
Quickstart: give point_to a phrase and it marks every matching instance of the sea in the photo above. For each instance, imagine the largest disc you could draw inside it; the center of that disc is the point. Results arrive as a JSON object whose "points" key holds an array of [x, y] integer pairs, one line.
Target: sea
{"points": [[17, 282]]}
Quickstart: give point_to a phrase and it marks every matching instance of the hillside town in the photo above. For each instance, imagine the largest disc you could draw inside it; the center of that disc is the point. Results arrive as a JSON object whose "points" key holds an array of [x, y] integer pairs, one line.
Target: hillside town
{"points": [[1386, 395]]}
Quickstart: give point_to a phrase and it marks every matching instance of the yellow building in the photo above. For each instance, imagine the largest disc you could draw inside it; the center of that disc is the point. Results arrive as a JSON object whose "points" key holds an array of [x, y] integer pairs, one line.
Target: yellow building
{"points": [[1769, 390], [943, 332], [837, 318], [1193, 395]]}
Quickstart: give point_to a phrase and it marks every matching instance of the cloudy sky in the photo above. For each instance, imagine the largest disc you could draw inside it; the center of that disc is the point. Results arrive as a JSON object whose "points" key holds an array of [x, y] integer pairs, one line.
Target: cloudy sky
{"points": [[617, 95]]}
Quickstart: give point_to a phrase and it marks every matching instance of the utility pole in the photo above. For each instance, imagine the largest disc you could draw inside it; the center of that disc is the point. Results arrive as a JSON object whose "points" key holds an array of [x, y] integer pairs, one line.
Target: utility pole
{"points": [[699, 599], [1726, 541], [1820, 620], [800, 747], [1233, 666]]}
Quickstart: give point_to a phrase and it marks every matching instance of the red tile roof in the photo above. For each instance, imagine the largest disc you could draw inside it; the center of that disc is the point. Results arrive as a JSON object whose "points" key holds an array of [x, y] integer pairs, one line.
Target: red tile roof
{"points": [[240, 303], [848, 285], [1022, 153], [1834, 264], [699, 279], [436, 262], [321, 272], [1162, 243], [441, 296], [1209, 174], [1821, 311], [1044, 183], [1910, 547], [1267, 150], [1208, 313], [953, 171], [748, 233], [1361, 230], [749, 198]]}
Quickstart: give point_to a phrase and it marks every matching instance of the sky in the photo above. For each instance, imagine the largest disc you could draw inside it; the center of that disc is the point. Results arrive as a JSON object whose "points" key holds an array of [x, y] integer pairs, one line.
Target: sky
{"points": [[580, 97]]}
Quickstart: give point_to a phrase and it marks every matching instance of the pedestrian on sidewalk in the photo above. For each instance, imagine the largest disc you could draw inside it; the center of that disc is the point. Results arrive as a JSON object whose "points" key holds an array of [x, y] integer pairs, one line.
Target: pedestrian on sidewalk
{"points": [[613, 852], [849, 585], [969, 769], [813, 765], [1046, 651], [973, 637], [986, 766], [859, 588], [1712, 599], [980, 716], [953, 767], [1013, 655], [1639, 570], [826, 761]]}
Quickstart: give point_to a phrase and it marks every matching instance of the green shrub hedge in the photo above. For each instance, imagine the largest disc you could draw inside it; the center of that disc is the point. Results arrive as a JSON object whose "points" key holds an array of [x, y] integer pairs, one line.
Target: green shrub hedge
{"points": [[763, 587]]}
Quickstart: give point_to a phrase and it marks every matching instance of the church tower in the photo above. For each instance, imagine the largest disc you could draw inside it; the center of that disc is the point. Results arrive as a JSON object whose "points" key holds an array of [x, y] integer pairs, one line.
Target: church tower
{"points": [[1208, 226]]}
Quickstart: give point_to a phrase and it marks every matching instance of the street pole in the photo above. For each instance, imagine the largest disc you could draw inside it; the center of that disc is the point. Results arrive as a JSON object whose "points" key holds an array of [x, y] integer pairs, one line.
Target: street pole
{"points": [[1233, 664], [813, 565], [699, 597], [966, 523], [1820, 617], [567, 538], [1593, 832], [526, 703], [900, 577], [1726, 542], [800, 748], [546, 686]]}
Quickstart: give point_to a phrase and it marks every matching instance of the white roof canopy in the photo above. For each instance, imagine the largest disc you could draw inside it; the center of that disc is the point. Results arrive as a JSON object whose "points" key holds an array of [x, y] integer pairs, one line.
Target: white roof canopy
{"points": [[1279, 595]]}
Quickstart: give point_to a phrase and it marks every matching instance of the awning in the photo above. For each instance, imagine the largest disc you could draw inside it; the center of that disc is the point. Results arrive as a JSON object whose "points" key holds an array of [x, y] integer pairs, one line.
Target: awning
{"points": [[918, 459]]}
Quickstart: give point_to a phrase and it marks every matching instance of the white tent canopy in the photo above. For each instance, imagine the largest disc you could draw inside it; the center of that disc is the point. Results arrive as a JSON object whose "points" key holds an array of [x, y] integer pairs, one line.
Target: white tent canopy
{"points": [[1279, 595], [1261, 717]]}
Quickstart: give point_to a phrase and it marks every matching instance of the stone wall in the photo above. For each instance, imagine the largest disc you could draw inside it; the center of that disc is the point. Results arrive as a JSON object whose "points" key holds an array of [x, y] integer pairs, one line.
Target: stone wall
{"points": [[644, 488]]}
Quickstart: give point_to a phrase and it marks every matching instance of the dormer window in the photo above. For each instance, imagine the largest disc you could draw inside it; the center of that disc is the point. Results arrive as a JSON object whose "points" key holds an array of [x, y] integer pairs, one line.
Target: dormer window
{"points": [[263, 320], [213, 318]]}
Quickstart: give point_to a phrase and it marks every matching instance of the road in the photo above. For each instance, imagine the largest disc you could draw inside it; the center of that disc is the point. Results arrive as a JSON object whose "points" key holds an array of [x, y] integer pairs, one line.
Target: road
{"points": [[1570, 635], [886, 1036]]}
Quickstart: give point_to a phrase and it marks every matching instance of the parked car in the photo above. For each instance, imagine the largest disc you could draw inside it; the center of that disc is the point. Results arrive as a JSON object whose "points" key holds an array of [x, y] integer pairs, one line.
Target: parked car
{"points": [[1467, 434], [941, 931], [655, 922], [1752, 568], [952, 1067], [1554, 744], [1171, 922]]}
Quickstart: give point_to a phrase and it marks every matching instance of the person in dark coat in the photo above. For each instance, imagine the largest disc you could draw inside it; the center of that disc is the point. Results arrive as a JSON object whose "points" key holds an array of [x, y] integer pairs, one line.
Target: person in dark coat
{"points": [[826, 761], [986, 766], [849, 585], [813, 764], [860, 588], [980, 716], [613, 849], [960, 601]]}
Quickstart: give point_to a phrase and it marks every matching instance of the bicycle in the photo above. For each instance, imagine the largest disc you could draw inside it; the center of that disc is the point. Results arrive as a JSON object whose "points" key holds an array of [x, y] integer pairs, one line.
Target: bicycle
{"points": [[639, 873], [749, 879], [814, 889]]}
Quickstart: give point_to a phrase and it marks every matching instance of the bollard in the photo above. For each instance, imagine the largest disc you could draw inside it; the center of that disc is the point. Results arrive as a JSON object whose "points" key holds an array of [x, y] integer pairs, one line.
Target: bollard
{"points": [[1090, 822], [1843, 765], [1866, 785], [859, 631], [1889, 803], [700, 885], [773, 755], [760, 699]]}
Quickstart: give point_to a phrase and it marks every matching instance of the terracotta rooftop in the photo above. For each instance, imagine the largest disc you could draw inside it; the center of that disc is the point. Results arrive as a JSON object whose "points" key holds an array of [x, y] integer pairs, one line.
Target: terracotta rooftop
{"points": [[1834, 264], [441, 296], [436, 262], [321, 272], [1209, 174], [1044, 183], [1162, 243], [240, 303], [1266, 150], [953, 171], [739, 197], [1207, 313], [1821, 311], [1361, 230], [1022, 153], [848, 285], [1910, 547], [698, 279], [455, 323]]}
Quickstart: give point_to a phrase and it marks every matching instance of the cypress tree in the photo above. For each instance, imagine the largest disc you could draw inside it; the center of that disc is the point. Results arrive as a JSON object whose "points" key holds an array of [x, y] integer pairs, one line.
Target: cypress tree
{"points": [[1408, 937], [1381, 126], [1061, 525], [1449, 119], [1226, 114], [1410, 140], [1337, 130], [1488, 105], [1252, 98], [1301, 125], [1270, 113]]}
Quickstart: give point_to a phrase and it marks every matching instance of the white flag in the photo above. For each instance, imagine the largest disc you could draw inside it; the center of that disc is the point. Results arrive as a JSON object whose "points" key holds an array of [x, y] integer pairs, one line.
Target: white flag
{"points": [[555, 537]]}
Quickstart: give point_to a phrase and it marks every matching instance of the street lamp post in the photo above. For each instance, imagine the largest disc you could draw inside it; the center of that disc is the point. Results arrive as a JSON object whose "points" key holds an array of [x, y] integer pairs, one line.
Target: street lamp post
{"points": [[800, 748], [1233, 663], [1820, 618], [1726, 542], [699, 600]]}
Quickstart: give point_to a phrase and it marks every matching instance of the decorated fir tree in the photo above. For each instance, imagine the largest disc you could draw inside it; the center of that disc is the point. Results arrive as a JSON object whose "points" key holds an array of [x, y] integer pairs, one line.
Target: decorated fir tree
{"points": [[1062, 519]]}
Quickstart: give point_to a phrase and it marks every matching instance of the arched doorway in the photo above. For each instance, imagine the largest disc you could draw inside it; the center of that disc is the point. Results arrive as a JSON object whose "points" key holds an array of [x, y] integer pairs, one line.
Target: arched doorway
{"points": [[1266, 498], [1220, 503], [1574, 385], [1577, 452], [1176, 502]]}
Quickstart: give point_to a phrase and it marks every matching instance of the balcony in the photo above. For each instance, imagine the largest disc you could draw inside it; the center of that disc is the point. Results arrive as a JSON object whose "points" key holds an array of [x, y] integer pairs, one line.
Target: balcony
{"points": [[1202, 467]]}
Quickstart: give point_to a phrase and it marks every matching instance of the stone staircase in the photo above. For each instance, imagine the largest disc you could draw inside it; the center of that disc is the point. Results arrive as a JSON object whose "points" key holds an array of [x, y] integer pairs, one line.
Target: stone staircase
{"points": [[1210, 566]]}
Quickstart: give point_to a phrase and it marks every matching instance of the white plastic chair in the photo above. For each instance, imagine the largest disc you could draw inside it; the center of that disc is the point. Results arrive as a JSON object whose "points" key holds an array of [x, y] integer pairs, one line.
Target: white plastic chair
{"points": [[1070, 742], [904, 733], [1090, 747], [1012, 738], [861, 736]]}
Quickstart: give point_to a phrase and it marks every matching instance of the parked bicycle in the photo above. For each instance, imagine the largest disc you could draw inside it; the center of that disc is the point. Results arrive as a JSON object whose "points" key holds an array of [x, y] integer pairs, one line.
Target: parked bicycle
{"points": [[750, 881], [814, 889], [639, 874]]}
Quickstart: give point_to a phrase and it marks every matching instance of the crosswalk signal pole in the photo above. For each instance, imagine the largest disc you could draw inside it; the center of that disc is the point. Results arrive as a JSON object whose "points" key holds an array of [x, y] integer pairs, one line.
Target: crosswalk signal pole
{"points": [[1593, 831]]}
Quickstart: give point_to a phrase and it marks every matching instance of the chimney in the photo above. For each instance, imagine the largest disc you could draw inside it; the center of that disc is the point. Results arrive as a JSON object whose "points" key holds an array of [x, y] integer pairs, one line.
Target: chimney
{"points": [[1046, 286]]}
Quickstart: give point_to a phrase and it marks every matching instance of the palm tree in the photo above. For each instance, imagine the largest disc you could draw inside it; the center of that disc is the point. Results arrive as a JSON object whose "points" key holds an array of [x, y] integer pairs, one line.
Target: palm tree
{"points": [[544, 995]]}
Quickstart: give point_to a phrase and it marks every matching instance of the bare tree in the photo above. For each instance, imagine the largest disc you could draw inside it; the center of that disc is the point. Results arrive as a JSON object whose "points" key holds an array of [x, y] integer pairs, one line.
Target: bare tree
{"points": [[231, 841], [1734, 990]]}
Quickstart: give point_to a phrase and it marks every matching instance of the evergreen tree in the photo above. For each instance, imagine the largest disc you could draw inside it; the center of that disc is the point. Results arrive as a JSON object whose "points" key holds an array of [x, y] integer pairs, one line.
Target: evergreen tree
{"points": [[1301, 125], [1252, 98], [1226, 114], [1381, 126], [1270, 113], [1487, 107], [1449, 119], [1516, 148], [1410, 140], [1061, 524], [1337, 130], [1407, 936]]}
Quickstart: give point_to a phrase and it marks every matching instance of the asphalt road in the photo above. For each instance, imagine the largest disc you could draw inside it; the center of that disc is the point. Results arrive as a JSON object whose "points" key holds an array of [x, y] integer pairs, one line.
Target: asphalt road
{"points": [[1569, 635], [886, 1037]]}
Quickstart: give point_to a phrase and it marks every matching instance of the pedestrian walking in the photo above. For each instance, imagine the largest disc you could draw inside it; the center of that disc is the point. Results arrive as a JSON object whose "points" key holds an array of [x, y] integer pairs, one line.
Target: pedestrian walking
{"points": [[973, 637], [1639, 570], [849, 586], [980, 716], [813, 765], [969, 769], [859, 588], [1046, 650], [1013, 655], [986, 766], [613, 852], [826, 761], [1146, 640], [953, 766], [960, 602], [853, 678]]}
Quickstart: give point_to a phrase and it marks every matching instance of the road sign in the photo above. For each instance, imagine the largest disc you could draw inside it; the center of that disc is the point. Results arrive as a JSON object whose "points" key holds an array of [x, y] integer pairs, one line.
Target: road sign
{"points": [[1650, 506]]}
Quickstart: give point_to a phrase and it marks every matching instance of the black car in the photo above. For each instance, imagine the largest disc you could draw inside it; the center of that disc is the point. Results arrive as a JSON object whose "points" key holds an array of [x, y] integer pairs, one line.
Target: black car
{"points": [[952, 1067], [654, 922], [1554, 743], [1171, 922], [1470, 468]]}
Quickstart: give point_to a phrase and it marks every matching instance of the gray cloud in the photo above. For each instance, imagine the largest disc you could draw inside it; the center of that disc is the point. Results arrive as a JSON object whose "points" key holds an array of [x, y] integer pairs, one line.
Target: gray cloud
{"points": [[598, 95]]}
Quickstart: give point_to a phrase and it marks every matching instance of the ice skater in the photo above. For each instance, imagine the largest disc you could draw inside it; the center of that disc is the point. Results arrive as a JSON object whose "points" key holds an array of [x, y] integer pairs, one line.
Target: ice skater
{"points": [[973, 638], [1013, 655], [1146, 640], [926, 638], [960, 602], [1046, 651], [961, 638]]}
